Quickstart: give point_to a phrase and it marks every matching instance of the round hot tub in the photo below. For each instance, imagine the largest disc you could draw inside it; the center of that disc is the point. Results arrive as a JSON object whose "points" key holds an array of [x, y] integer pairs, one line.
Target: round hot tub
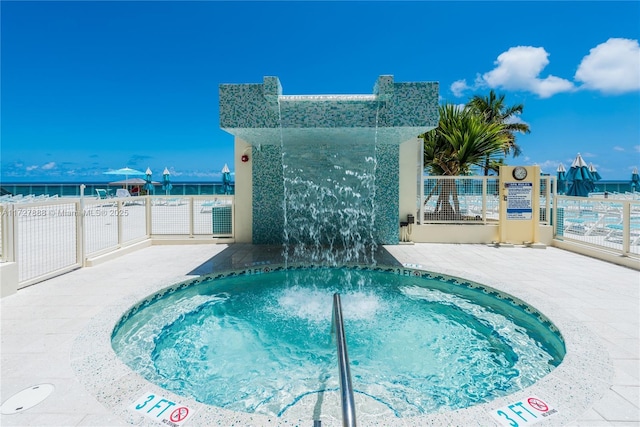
{"points": [[418, 342]]}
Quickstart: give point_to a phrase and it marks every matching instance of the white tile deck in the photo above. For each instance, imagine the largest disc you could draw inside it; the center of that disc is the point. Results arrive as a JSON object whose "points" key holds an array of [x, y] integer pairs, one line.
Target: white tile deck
{"points": [[56, 332]]}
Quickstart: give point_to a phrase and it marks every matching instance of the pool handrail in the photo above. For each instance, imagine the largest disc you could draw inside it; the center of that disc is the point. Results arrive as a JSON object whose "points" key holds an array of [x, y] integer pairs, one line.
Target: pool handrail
{"points": [[346, 389]]}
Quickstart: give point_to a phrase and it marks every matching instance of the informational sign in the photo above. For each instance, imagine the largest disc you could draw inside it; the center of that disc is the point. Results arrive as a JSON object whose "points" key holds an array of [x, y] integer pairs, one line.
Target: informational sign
{"points": [[162, 410], [519, 200], [524, 412]]}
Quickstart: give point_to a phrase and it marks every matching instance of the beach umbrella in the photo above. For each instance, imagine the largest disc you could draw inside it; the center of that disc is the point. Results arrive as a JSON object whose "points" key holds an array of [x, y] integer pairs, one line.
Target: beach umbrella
{"points": [[166, 183], [635, 180], [126, 172], [562, 178], [579, 178], [148, 186], [226, 179], [594, 172]]}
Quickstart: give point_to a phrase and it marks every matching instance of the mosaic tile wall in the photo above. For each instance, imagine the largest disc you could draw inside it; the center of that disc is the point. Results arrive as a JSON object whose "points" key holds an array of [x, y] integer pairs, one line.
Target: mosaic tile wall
{"points": [[399, 111], [387, 193], [261, 115], [268, 195]]}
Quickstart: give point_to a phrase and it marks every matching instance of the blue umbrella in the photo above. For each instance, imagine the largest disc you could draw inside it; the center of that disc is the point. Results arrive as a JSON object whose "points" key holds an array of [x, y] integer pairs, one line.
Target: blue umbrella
{"points": [[148, 186], [125, 171], [596, 176], [226, 179], [580, 179], [562, 179], [166, 183], [594, 173], [635, 180]]}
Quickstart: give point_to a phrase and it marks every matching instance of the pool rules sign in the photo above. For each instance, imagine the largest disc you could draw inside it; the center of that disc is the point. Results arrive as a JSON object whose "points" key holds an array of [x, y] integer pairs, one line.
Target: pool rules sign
{"points": [[519, 200], [519, 194], [525, 412], [162, 410]]}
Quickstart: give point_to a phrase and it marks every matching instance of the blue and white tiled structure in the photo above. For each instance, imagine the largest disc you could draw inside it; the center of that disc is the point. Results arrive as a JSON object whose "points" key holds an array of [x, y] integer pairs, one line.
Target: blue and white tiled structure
{"points": [[345, 129]]}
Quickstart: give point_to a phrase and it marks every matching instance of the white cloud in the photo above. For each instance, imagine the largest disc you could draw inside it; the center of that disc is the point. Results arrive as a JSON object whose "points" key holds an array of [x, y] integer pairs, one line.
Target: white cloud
{"points": [[49, 166], [31, 168], [612, 67], [618, 148], [459, 87], [637, 148], [519, 68]]}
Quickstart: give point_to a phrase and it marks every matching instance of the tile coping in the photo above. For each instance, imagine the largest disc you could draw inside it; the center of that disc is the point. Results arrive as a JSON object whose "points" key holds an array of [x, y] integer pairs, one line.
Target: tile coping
{"points": [[580, 380]]}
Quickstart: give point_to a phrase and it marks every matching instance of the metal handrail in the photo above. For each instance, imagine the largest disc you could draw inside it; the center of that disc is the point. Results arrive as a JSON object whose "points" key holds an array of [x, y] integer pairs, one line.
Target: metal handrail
{"points": [[346, 390]]}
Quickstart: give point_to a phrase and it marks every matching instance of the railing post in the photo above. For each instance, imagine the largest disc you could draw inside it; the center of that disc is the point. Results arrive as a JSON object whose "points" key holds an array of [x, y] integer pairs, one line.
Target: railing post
{"points": [[346, 389], [626, 228], [9, 230], [119, 206], [147, 215], [484, 199], [80, 229], [190, 217]]}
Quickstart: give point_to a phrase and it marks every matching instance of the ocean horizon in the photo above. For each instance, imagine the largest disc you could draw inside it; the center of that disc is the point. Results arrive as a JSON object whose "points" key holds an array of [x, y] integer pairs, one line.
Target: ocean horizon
{"points": [[72, 189]]}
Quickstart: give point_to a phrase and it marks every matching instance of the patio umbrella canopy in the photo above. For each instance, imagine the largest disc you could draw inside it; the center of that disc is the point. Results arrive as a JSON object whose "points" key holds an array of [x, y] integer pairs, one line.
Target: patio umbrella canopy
{"points": [[148, 185], [562, 179], [594, 172], [580, 179], [635, 180], [226, 179], [126, 172], [166, 182]]}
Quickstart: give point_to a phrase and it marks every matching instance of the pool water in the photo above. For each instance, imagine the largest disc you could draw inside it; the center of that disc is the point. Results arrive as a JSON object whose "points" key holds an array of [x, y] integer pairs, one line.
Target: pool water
{"points": [[417, 344]]}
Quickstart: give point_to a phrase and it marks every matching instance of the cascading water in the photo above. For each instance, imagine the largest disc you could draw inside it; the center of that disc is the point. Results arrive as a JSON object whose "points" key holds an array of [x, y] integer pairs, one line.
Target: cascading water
{"points": [[329, 197]]}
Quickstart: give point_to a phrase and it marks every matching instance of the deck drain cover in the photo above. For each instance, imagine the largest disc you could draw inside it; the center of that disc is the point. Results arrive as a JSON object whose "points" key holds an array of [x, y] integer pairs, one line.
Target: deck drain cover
{"points": [[27, 398]]}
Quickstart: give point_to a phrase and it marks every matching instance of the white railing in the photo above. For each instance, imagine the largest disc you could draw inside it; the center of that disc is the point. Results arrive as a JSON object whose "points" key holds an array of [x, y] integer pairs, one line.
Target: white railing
{"points": [[48, 237], [471, 199], [610, 224]]}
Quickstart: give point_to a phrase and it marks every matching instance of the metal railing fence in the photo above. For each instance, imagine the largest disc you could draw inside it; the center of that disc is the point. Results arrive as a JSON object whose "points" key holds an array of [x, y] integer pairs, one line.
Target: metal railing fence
{"points": [[471, 199], [611, 224], [48, 237]]}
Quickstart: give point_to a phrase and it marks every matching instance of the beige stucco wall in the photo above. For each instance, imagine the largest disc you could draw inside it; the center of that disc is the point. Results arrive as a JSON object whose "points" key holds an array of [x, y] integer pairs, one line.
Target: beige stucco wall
{"points": [[243, 212], [408, 178]]}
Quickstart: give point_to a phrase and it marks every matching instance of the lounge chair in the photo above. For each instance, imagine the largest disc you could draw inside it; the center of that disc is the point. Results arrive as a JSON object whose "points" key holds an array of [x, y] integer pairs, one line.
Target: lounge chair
{"points": [[176, 201], [207, 206], [122, 192], [101, 194], [590, 223], [616, 232]]}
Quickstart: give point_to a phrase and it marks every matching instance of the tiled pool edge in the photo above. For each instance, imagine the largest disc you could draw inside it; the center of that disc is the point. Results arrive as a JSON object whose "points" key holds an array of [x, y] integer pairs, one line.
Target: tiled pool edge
{"points": [[581, 379]]}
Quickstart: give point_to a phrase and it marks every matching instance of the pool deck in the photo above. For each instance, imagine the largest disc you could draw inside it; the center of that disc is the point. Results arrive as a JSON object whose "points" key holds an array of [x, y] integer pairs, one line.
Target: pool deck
{"points": [[49, 332]]}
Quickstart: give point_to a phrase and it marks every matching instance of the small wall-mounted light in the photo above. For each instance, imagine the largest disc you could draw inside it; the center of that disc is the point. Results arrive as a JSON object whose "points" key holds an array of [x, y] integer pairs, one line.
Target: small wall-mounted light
{"points": [[245, 155]]}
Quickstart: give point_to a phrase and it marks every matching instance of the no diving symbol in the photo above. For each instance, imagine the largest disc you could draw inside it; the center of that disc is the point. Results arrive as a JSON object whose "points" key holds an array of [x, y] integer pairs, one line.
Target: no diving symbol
{"points": [[538, 404], [179, 414]]}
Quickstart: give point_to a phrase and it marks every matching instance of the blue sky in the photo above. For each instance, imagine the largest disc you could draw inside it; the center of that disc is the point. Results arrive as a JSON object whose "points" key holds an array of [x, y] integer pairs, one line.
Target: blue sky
{"points": [[93, 86]]}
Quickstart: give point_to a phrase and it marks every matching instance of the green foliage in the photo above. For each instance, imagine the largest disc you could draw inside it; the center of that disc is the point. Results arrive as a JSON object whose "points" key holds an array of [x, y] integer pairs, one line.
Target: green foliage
{"points": [[463, 139], [493, 109]]}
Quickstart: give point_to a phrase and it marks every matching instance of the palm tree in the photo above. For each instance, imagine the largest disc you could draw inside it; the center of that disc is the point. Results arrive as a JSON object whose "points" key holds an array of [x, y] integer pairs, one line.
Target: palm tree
{"points": [[494, 110], [463, 139]]}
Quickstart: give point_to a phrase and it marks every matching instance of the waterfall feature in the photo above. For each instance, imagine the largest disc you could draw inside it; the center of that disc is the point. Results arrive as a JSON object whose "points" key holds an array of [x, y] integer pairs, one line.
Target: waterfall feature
{"points": [[321, 174], [329, 198]]}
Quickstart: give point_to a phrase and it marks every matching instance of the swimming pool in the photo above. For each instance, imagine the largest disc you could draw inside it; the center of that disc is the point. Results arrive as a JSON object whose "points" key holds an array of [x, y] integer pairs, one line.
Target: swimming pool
{"points": [[418, 342]]}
